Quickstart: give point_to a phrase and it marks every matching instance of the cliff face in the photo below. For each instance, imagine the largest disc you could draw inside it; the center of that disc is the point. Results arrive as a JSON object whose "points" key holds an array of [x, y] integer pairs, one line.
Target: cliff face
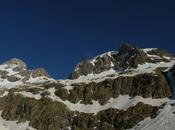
{"points": [[45, 114], [145, 85], [118, 90]]}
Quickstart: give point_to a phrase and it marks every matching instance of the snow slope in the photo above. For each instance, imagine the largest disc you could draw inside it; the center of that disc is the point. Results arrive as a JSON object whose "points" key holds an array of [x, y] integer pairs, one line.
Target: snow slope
{"points": [[164, 121], [13, 125]]}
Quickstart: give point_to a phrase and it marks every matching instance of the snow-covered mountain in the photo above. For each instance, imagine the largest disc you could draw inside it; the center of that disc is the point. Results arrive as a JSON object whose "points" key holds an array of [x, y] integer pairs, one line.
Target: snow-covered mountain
{"points": [[129, 88], [14, 73], [127, 57]]}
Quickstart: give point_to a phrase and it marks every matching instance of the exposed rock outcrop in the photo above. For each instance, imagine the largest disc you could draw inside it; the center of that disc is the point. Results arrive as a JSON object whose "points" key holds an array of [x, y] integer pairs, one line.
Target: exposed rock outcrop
{"points": [[45, 114], [113, 91], [145, 85], [15, 70], [126, 57]]}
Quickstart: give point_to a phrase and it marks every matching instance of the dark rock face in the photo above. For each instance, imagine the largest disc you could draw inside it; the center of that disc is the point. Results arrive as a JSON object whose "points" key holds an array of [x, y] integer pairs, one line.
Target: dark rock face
{"points": [[103, 63], [45, 114], [87, 68], [145, 85], [114, 119], [83, 121], [127, 56], [130, 56], [62, 93], [171, 79], [99, 65], [13, 78]]}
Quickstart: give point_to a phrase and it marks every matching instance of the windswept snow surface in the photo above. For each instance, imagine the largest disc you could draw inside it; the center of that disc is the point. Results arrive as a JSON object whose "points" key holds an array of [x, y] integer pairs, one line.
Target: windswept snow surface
{"points": [[4, 83], [146, 50], [39, 79], [30, 95], [164, 121], [13, 125], [89, 78]]}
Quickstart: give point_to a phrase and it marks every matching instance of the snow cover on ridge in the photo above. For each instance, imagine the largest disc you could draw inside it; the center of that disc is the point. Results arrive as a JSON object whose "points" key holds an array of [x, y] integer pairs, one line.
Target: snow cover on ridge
{"points": [[13, 125], [146, 50], [122, 102], [93, 60], [39, 79], [147, 67], [29, 94], [16, 69], [4, 83], [112, 74], [9, 69]]}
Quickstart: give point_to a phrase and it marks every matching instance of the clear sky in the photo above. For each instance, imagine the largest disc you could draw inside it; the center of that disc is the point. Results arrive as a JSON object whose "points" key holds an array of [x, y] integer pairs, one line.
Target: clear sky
{"points": [[56, 34]]}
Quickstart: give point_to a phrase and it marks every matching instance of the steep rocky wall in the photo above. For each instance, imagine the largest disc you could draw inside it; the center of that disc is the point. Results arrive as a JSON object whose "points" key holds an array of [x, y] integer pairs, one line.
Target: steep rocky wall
{"points": [[45, 114], [145, 85]]}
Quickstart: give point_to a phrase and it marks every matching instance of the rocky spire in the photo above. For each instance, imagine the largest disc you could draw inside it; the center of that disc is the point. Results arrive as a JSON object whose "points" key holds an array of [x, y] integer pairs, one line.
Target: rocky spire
{"points": [[124, 48]]}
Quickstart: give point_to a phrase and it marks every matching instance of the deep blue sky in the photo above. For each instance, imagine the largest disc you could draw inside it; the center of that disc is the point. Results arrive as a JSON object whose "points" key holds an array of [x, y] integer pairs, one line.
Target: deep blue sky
{"points": [[57, 34]]}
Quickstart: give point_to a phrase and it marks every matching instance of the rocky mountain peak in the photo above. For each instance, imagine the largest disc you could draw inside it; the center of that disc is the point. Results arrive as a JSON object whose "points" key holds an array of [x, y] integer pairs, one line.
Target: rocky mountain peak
{"points": [[125, 48], [115, 90], [127, 56]]}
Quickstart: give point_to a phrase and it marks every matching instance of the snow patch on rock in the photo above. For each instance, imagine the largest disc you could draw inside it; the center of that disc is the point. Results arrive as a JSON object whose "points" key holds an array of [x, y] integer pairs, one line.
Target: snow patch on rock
{"points": [[164, 121], [13, 125]]}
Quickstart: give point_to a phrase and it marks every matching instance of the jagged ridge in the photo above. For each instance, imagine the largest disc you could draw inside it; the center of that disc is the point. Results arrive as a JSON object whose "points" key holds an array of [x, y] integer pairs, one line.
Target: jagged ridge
{"points": [[127, 56], [107, 92], [14, 73]]}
